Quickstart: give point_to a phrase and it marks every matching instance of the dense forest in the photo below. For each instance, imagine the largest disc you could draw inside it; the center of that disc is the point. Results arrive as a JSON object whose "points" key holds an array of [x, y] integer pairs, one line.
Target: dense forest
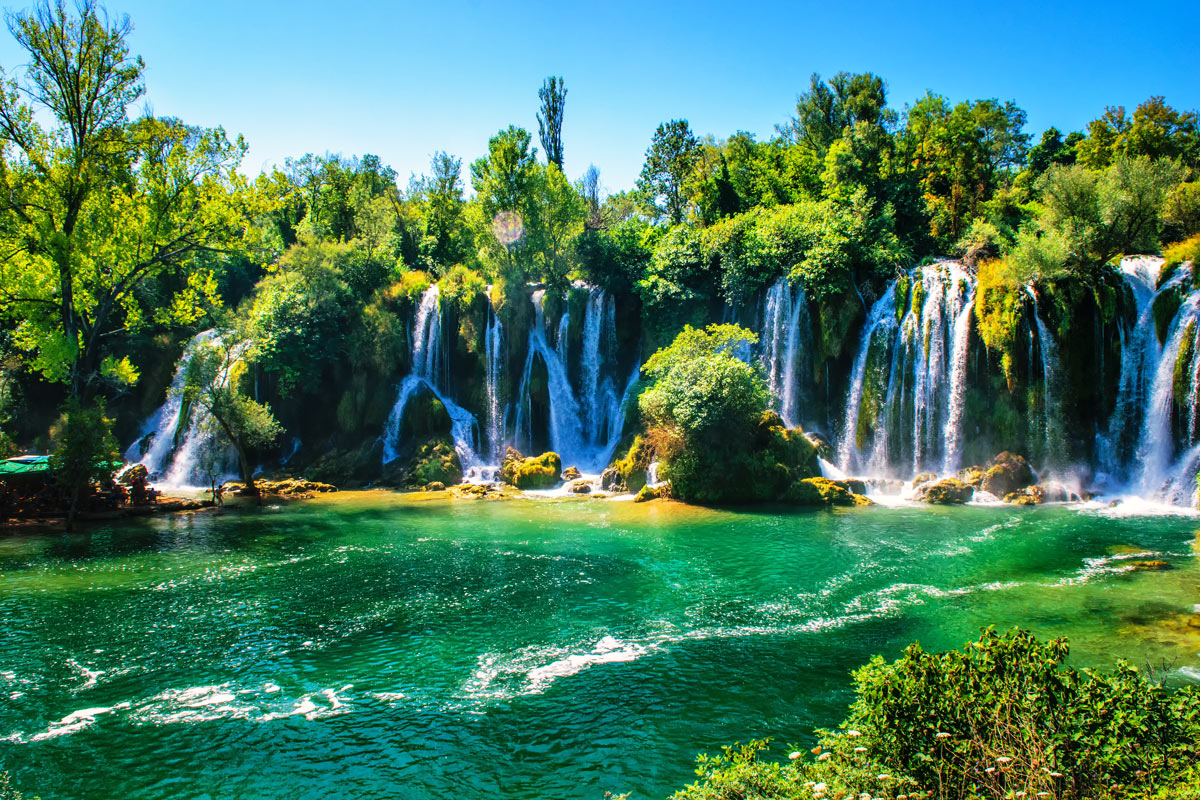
{"points": [[124, 236]]}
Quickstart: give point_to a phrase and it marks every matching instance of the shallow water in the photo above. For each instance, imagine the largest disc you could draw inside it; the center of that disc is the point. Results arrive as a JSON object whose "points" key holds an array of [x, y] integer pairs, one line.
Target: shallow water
{"points": [[377, 645]]}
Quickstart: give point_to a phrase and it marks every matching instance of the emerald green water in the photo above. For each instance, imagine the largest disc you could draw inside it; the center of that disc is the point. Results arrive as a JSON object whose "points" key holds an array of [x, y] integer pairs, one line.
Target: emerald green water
{"points": [[383, 646]]}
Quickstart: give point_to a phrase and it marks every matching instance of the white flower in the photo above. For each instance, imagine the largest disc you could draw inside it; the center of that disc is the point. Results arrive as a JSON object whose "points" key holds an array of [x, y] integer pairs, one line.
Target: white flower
{"points": [[853, 734], [883, 777], [819, 787], [990, 770], [1020, 794], [864, 796], [1003, 759], [794, 755], [1043, 795], [1055, 774], [860, 749], [824, 756], [942, 735]]}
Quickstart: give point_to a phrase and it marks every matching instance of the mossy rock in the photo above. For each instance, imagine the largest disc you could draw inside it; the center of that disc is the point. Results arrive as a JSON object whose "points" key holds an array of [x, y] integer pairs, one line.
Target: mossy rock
{"points": [[1166, 306], [946, 492], [924, 477], [436, 461], [1149, 566], [1029, 496], [540, 472], [826, 492], [571, 474], [1184, 367], [632, 466], [347, 467], [580, 487], [655, 492], [435, 486], [972, 475], [1007, 473], [611, 480]]}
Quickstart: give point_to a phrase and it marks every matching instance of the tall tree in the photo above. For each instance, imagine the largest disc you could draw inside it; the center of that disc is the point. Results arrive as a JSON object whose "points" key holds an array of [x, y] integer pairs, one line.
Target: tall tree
{"points": [[673, 154], [553, 95], [92, 205]]}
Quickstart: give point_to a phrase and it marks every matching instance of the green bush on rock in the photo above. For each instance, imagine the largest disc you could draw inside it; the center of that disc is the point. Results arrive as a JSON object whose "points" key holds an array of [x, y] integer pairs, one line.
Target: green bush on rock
{"points": [[535, 472], [1000, 718]]}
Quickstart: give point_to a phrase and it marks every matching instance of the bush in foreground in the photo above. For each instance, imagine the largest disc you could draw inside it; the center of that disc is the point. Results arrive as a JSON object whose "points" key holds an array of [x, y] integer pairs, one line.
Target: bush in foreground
{"points": [[1001, 718]]}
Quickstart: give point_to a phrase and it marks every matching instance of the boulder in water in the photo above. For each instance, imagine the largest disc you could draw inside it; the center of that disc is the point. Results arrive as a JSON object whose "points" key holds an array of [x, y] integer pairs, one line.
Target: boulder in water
{"points": [[540, 472], [436, 461], [1149, 566], [580, 487], [946, 492], [435, 486], [826, 492], [924, 477], [1007, 473], [655, 492], [571, 474], [973, 475], [611, 480], [136, 472]]}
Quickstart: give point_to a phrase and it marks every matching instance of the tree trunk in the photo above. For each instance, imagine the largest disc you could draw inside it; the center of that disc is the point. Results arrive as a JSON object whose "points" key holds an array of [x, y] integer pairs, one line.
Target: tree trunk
{"points": [[72, 508]]}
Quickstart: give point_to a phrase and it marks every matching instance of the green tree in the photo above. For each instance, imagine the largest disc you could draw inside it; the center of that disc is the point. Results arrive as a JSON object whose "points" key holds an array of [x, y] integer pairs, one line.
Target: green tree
{"points": [[553, 95], [85, 450], [673, 154], [1156, 130], [1101, 214], [94, 207], [212, 384]]}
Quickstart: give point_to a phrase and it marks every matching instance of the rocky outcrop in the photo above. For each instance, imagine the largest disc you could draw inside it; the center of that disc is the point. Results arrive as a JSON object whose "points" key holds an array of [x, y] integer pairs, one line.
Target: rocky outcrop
{"points": [[826, 492], [1051, 492], [1007, 473], [436, 461], [571, 474], [612, 481], [540, 472], [289, 487], [580, 487], [655, 492], [946, 492]]}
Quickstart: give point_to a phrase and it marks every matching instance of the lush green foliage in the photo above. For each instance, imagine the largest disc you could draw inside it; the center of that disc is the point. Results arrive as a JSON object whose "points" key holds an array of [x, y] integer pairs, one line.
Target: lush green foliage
{"points": [[1001, 718], [85, 449]]}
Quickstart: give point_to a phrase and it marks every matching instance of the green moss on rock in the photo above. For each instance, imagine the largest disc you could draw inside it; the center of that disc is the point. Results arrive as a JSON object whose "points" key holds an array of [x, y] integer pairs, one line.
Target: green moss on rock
{"points": [[826, 492], [1182, 379], [436, 461], [535, 472], [948, 491]]}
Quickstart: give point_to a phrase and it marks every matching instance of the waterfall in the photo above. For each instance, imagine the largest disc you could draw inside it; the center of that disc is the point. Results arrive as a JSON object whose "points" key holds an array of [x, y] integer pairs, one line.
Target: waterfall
{"points": [[786, 341], [1140, 352], [179, 440], [958, 389], [495, 359], [1055, 444], [585, 423], [425, 376], [1161, 475], [882, 319], [911, 376]]}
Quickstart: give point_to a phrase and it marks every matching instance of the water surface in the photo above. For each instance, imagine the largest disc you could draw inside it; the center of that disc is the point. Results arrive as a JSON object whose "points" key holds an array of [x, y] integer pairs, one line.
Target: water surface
{"points": [[386, 646]]}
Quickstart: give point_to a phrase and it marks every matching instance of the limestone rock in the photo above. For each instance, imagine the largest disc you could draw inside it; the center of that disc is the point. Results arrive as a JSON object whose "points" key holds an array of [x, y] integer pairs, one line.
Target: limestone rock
{"points": [[823, 491], [540, 472], [611, 480], [571, 474], [948, 491], [580, 487], [1007, 473]]}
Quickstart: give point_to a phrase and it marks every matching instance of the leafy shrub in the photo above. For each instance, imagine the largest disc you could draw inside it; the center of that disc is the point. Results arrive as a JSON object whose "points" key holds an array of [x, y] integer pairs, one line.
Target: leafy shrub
{"points": [[460, 286], [1001, 718], [535, 472]]}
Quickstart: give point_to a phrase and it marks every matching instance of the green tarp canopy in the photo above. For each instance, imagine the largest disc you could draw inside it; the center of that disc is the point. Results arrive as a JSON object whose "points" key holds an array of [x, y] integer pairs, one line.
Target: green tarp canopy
{"points": [[40, 465], [25, 465]]}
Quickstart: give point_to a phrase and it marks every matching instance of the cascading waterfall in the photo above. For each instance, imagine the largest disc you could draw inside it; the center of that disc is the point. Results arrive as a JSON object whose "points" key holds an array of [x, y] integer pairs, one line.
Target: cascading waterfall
{"points": [[495, 360], [1162, 475], [911, 376], [958, 389], [786, 340], [880, 325], [180, 443], [1051, 391], [585, 425], [427, 369]]}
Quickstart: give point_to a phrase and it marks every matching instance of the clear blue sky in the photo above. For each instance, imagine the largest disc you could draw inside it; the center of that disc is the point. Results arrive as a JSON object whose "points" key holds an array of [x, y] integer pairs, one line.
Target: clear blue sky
{"points": [[404, 80]]}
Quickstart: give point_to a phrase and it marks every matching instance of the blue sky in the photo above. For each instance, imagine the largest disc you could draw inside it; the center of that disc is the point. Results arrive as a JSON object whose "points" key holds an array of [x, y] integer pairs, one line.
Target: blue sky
{"points": [[404, 80]]}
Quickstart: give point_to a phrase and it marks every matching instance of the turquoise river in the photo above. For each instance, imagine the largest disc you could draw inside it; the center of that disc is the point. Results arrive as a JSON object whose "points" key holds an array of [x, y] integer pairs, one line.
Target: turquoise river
{"points": [[373, 645]]}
